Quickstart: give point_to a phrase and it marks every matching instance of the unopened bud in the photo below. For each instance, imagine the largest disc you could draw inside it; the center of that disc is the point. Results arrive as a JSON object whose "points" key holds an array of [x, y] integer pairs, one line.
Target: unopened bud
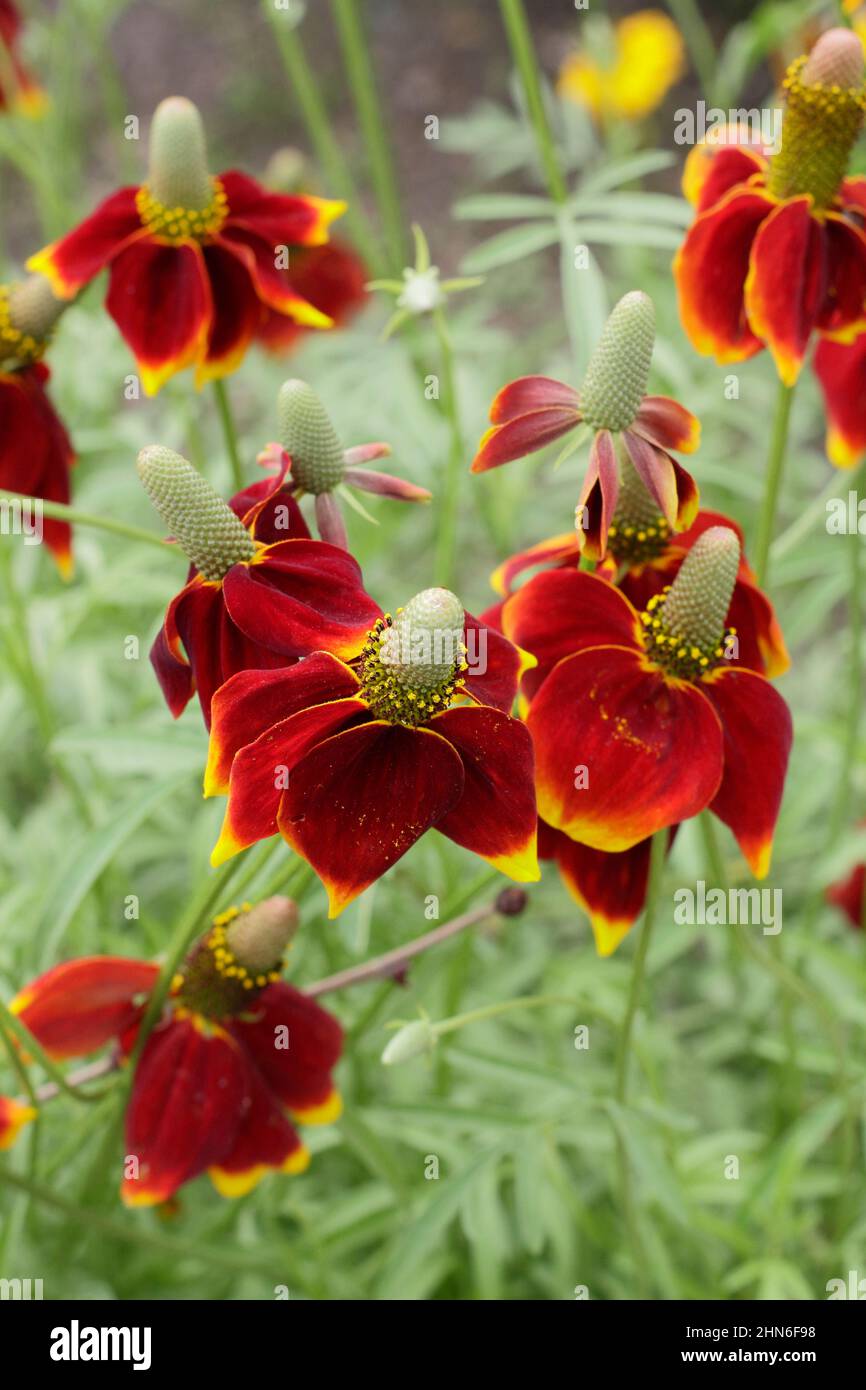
{"points": [[258, 938], [413, 1040]]}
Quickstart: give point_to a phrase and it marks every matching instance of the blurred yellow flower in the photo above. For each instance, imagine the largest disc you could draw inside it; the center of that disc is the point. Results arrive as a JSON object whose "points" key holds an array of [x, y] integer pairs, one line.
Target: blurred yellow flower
{"points": [[648, 58]]}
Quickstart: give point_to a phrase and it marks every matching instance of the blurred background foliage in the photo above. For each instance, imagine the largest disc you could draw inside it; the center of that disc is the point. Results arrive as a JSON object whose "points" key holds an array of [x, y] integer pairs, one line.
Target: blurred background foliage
{"points": [[100, 791]]}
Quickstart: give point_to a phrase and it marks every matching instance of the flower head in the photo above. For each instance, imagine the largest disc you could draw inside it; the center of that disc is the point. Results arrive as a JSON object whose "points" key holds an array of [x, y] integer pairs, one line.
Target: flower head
{"points": [[646, 57], [194, 261], [413, 734], [35, 451], [657, 707], [18, 91], [420, 291], [630, 429], [237, 1055], [777, 250], [246, 604]]}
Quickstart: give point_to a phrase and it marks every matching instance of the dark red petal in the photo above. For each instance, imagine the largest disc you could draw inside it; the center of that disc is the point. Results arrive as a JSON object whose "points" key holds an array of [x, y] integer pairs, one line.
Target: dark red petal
{"points": [[757, 729], [189, 1096], [668, 424], [270, 284], [265, 1142], [529, 393], [841, 371], [495, 665], [496, 816], [557, 550], [35, 451], [598, 496], [82, 1004], [621, 751], [852, 195], [843, 314], [159, 297], [236, 314], [280, 219], [295, 1044], [74, 260], [331, 277], [523, 435], [712, 171], [611, 888], [847, 894], [710, 270], [787, 283], [376, 788]]}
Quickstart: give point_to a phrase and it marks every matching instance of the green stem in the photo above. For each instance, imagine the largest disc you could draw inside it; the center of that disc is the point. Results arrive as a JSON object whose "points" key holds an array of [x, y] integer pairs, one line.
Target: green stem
{"points": [[699, 42], [446, 534], [60, 512], [775, 467], [658, 849], [325, 144], [229, 433], [523, 53], [507, 1006], [362, 81]]}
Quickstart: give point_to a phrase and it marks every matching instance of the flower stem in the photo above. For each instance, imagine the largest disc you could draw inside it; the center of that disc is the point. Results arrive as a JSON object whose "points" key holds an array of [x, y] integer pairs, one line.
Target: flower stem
{"points": [[775, 467], [60, 512], [523, 53], [656, 864], [446, 535], [362, 80], [229, 433]]}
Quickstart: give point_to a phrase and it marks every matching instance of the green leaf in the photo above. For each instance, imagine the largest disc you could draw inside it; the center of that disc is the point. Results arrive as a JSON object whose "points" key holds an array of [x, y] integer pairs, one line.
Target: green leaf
{"points": [[515, 244]]}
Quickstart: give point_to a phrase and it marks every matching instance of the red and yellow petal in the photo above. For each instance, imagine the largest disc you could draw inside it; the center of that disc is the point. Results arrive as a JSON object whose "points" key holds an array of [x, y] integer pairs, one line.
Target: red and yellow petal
{"points": [[301, 596], [279, 219], [270, 284], [332, 278], [787, 283], [262, 770], [757, 736], [235, 317], [561, 612], [672, 486], [525, 434], [530, 393], [251, 702], [610, 888], [13, 1117], [496, 816], [843, 315], [712, 170], [598, 496], [376, 788], [265, 1143], [621, 751], [159, 296], [668, 424], [295, 1044], [841, 372], [852, 195], [80, 1005], [495, 665], [710, 270], [191, 1091], [557, 550], [68, 264]]}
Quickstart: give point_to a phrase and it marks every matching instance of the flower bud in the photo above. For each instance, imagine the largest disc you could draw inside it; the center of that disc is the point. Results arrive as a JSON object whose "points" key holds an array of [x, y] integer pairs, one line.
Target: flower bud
{"points": [[413, 1040], [258, 938], [618, 371], [28, 312], [178, 175], [204, 526], [309, 438]]}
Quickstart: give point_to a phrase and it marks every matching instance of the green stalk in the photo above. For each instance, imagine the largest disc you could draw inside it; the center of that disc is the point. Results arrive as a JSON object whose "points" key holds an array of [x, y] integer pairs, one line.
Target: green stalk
{"points": [[229, 433], [446, 534], [523, 53], [60, 512], [699, 42], [326, 146], [775, 468], [362, 81]]}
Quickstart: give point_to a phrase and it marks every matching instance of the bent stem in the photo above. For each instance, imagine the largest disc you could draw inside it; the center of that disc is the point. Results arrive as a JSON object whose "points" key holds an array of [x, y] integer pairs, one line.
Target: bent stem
{"points": [[229, 433], [773, 481]]}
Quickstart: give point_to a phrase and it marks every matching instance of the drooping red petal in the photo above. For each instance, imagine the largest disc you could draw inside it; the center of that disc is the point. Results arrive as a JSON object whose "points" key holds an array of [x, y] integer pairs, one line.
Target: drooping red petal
{"points": [[841, 372], [268, 509], [13, 1115], [668, 424], [564, 611], [251, 702], [270, 283], [236, 314], [530, 393], [160, 298], [80, 255], [620, 750], [598, 497], [672, 486], [36, 454], [787, 283], [846, 894], [496, 816], [333, 278], [843, 314], [280, 219], [80, 1005], [757, 733], [524, 434], [189, 1097], [301, 596], [495, 665], [376, 788], [295, 1044], [557, 550], [265, 1142], [711, 171], [710, 270]]}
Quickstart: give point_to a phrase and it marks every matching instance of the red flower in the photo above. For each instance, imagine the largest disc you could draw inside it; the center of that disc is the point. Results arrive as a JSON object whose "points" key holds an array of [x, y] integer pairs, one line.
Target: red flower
{"points": [[628, 426], [371, 756], [841, 371], [332, 278], [246, 605], [642, 722], [35, 451], [847, 894], [237, 1055], [194, 261], [17, 88], [642, 565], [778, 249]]}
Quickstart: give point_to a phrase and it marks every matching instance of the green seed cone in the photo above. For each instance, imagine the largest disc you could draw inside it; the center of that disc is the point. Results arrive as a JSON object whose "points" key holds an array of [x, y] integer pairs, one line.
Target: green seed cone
{"points": [[618, 371], [635, 506], [258, 938], [425, 643], [700, 596], [33, 308], [179, 176], [307, 435], [824, 110], [204, 526]]}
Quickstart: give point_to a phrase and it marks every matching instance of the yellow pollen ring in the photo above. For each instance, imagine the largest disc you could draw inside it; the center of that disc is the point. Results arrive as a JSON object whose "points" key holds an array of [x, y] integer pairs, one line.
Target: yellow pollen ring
{"points": [[177, 225], [22, 346]]}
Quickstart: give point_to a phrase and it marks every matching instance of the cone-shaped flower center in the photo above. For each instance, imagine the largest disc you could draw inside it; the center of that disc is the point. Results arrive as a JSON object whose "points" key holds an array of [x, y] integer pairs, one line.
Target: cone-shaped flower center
{"points": [[616, 378], [28, 312], [309, 438], [826, 100], [238, 957], [684, 627], [180, 201], [204, 526], [411, 664], [639, 532]]}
